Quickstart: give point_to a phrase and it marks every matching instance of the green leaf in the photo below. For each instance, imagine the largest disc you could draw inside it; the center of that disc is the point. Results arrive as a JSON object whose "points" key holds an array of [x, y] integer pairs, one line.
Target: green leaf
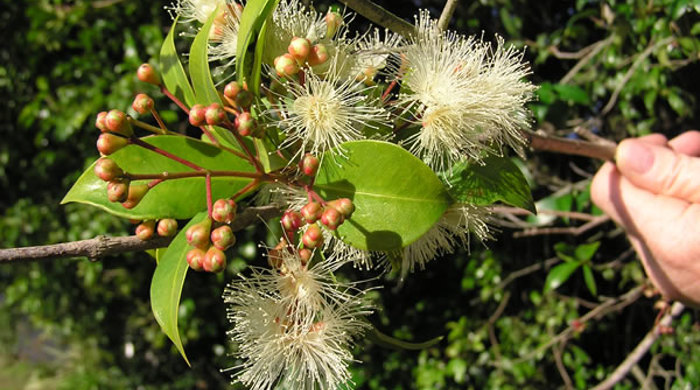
{"points": [[565, 252], [387, 341], [572, 94], [559, 274], [204, 89], [397, 197], [585, 252], [181, 198], [499, 179], [172, 72], [254, 15], [167, 282], [552, 202], [590, 280]]}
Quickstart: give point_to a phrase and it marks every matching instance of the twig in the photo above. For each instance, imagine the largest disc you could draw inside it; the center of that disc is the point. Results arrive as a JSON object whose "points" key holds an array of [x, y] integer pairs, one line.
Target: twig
{"points": [[380, 16], [446, 15], [556, 350], [600, 45], [642, 348], [543, 142], [562, 214], [492, 321], [574, 230], [102, 246]]}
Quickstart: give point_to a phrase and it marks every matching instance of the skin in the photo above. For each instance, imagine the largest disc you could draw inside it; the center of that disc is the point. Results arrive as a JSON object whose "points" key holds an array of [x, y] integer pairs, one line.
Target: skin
{"points": [[653, 191]]}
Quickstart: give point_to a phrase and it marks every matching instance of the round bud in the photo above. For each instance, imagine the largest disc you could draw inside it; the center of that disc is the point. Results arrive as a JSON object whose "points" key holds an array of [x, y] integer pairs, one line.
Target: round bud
{"points": [[312, 237], [318, 55], [333, 22], [309, 164], [110, 143], [107, 170], [311, 212], [117, 190], [232, 89], [167, 227], [244, 99], [134, 195], [197, 115], [223, 238], [147, 74], [224, 210], [291, 221], [332, 218], [245, 124], [214, 260], [275, 255], [214, 114], [305, 255], [142, 104], [145, 230], [344, 205], [258, 132], [195, 258], [117, 122], [286, 65], [299, 48], [197, 235], [100, 121]]}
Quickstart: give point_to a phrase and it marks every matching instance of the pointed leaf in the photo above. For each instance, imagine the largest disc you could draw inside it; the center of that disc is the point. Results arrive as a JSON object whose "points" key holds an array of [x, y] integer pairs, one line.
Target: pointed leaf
{"points": [[397, 197], [498, 179], [590, 280], [254, 15], [559, 274], [181, 198], [172, 72], [585, 252], [167, 282], [204, 89]]}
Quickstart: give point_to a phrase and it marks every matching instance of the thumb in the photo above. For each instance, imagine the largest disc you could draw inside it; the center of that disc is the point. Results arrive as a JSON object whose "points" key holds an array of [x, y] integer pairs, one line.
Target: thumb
{"points": [[659, 170]]}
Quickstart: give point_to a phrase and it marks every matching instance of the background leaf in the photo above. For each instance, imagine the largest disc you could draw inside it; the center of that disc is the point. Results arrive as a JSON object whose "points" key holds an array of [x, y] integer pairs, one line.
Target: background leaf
{"points": [[172, 72], [559, 274], [166, 286], [396, 196], [590, 280], [498, 179], [181, 198]]}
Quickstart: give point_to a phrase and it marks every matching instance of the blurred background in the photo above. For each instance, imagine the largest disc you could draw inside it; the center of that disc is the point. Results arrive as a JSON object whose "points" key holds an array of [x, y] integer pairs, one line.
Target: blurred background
{"points": [[619, 68]]}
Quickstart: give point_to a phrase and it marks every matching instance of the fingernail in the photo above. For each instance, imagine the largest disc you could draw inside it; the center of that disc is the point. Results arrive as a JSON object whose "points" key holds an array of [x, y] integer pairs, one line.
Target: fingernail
{"points": [[635, 156]]}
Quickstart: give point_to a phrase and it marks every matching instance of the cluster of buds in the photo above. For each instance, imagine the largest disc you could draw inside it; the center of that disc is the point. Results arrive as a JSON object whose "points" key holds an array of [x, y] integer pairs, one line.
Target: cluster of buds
{"points": [[238, 97], [119, 187], [115, 128], [165, 228], [300, 52], [213, 114], [276, 255], [209, 241], [332, 214]]}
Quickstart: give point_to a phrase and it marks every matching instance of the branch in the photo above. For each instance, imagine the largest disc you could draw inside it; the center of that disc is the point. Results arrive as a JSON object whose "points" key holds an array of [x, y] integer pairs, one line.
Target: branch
{"points": [[447, 14], [380, 16], [542, 142], [102, 246], [642, 348]]}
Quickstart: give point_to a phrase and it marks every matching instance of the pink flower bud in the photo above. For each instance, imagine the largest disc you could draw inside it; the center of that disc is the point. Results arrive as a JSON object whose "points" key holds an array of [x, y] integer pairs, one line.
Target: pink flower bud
{"points": [[305, 255], [309, 164], [147, 74], [318, 55], [223, 237], [145, 230], [311, 212], [291, 221], [344, 206], [197, 115], [286, 65], [100, 121], [135, 195], [332, 218], [214, 260], [244, 99], [224, 210], [214, 114], [232, 89], [195, 259], [197, 235], [299, 48], [107, 170], [333, 22], [167, 227], [312, 237], [117, 190], [110, 143], [142, 104], [245, 124], [117, 122]]}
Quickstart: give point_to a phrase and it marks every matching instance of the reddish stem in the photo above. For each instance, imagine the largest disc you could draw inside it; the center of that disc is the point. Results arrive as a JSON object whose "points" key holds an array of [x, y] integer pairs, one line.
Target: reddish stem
{"points": [[245, 189], [153, 183], [159, 120], [313, 195], [136, 141], [388, 90], [174, 99], [201, 173]]}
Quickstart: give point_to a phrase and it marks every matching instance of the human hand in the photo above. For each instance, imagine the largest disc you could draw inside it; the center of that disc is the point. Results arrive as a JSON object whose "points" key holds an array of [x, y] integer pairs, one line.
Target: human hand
{"points": [[653, 191]]}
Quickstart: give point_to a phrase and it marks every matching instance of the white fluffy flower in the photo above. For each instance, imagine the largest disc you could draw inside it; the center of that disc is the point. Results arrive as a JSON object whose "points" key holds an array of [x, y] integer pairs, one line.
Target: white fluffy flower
{"points": [[199, 10], [468, 96], [225, 36]]}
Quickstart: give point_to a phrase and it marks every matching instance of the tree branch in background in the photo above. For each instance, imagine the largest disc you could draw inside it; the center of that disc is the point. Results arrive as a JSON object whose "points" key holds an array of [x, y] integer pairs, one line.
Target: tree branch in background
{"points": [[105, 246], [542, 142], [380, 16], [446, 15]]}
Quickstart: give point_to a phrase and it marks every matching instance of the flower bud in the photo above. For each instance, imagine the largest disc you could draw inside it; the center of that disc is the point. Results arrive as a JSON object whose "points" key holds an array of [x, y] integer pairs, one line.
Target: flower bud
{"points": [[223, 238], [309, 164], [147, 74], [245, 124], [145, 230], [100, 121], [107, 170], [291, 221], [110, 143], [197, 235], [258, 132], [214, 114], [197, 115], [305, 255], [275, 256], [195, 259], [224, 210], [332, 218], [311, 212], [117, 190], [244, 99], [134, 195], [286, 65], [312, 237], [318, 55], [142, 104], [232, 89], [299, 48], [344, 206], [214, 260], [167, 227], [117, 122], [333, 22]]}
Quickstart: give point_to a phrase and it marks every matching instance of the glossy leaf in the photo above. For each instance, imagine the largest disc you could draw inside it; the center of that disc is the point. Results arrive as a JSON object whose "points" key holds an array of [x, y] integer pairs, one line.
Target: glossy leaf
{"points": [[590, 280], [254, 15], [204, 89], [172, 72], [167, 282], [181, 198], [559, 274], [585, 252], [397, 197], [498, 179]]}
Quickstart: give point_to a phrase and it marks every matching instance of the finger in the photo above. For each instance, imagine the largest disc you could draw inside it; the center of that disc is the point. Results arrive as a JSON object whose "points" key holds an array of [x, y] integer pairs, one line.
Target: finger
{"points": [[687, 143], [654, 139], [659, 169]]}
